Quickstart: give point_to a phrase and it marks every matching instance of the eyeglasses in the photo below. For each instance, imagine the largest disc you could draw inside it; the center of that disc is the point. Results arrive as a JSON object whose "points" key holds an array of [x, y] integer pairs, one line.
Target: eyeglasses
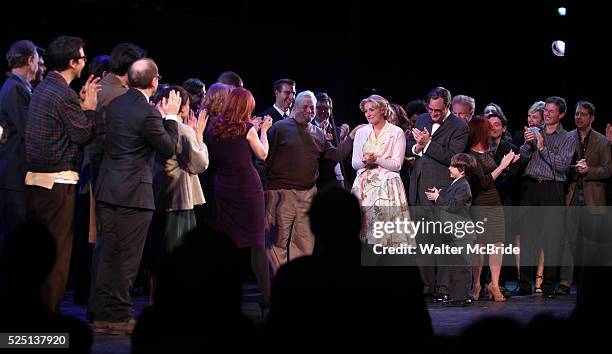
{"points": [[434, 110], [84, 57]]}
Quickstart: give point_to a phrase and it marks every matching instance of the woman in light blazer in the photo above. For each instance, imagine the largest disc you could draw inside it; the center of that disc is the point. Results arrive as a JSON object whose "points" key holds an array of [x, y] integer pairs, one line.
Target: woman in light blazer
{"points": [[378, 154], [175, 183]]}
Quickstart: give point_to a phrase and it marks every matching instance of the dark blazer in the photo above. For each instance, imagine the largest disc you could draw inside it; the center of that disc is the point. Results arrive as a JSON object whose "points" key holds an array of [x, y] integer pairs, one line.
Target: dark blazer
{"points": [[432, 168], [135, 131], [518, 139], [453, 204], [327, 168], [594, 182], [272, 112], [14, 101], [456, 198], [507, 183]]}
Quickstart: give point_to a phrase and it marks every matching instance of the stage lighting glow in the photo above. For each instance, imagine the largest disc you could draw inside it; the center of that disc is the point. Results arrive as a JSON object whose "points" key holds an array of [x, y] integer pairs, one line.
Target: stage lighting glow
{"points": [[562, 11], [558, 48]]}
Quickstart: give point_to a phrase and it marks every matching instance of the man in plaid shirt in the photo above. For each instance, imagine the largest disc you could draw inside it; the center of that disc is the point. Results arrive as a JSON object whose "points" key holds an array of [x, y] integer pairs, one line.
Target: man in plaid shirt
{"points": [[59, 124]]}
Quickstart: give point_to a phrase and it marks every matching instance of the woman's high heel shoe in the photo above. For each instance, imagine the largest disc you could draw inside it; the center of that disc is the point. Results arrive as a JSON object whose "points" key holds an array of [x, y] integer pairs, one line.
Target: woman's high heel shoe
{"points": [[475, 293], [495, 294], [538, 287]]}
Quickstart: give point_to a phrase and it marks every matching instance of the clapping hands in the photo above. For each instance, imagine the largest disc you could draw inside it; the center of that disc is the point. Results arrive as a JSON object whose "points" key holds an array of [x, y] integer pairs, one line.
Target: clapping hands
{"points": [[369, 159], [433, 193], [89, 93], [172, 104]]}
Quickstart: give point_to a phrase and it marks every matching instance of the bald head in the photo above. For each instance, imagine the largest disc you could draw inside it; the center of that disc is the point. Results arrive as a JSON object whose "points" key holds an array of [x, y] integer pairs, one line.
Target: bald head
{"points": [[142, 73]]}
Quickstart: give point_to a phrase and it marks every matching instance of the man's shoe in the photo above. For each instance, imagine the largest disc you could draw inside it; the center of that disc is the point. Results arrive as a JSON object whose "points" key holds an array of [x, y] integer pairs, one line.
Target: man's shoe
{"points": [[437, 298], [521, 291], [548, 290], [563, 290], [459, 303], [122, 328]]}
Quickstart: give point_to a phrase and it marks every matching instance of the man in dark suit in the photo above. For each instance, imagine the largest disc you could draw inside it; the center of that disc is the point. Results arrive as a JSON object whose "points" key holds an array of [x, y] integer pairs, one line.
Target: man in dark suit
{"points": [[330, 173], [124, 191], [436, 137], [14, 100], [284, 91], [453, 205]]}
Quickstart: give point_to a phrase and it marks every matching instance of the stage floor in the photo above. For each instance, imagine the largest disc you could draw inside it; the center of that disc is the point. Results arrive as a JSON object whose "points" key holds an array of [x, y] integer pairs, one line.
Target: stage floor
{"points": [[447, 321]]}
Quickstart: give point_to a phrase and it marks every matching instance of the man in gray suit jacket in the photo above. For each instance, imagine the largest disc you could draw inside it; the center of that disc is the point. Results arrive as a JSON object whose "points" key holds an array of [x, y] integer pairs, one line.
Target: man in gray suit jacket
{"points": [[436, 137], [124, 191]]}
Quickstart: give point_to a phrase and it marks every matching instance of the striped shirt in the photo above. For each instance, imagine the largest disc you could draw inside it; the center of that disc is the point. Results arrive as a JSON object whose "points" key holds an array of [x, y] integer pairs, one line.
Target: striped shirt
{"points": [[552, 162], [57, 127]]}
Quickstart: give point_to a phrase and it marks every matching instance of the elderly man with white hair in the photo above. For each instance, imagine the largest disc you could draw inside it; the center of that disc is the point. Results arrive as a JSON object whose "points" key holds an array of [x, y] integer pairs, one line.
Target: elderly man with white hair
{"points": [[291, 169]]}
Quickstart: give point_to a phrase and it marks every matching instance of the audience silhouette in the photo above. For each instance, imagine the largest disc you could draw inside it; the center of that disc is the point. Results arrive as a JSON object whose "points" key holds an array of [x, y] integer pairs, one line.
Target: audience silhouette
{"points": [[28, 255], [330, 295], [206, 263]]}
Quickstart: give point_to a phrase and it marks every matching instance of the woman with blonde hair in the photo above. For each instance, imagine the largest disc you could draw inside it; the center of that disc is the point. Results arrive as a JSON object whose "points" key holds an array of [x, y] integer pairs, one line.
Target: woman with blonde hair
{"points": [[378, 155]]}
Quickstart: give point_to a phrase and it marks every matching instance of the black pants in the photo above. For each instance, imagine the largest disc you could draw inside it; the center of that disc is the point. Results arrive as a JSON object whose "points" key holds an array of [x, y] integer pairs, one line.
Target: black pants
{"points": [[435, 278], [118, 252], [80, 269], [54, 208], [457, 270], [12, 211], [543, 227]]}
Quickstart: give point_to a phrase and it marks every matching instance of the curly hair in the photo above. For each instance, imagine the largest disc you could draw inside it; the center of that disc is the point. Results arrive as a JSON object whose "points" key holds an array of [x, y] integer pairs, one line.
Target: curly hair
{"points": [[235, 114], [379, 102]]}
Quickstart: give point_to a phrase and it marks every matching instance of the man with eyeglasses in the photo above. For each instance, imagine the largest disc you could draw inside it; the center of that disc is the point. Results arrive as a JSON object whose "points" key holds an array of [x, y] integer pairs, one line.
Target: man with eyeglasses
{"points": [[137, 133], [60, 123], [436, 137]]}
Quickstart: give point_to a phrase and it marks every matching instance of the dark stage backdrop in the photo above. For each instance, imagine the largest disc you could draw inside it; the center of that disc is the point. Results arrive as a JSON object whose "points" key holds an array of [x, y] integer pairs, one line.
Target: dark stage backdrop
{"points": [[496, 52]]}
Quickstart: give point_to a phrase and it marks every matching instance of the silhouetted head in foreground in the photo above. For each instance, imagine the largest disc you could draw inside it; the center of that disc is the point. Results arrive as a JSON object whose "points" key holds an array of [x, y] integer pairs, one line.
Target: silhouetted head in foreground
{"points": [[335, 220]]}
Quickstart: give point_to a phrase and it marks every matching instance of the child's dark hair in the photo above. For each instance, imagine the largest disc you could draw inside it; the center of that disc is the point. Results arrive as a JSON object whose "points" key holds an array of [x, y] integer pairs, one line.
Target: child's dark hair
{"points": [[464, 163]]}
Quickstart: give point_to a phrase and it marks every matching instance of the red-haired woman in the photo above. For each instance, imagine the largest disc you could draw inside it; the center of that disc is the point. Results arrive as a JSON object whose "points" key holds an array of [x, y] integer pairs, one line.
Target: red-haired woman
{"points": [[232, 141], [486, 203]]}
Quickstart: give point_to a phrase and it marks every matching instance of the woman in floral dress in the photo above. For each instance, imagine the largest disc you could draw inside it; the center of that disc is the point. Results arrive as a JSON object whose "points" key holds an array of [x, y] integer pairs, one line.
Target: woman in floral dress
{"points": [[378, 154]]}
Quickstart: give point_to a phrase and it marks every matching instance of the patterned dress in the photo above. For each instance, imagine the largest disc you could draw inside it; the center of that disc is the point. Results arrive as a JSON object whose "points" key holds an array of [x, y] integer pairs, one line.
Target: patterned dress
{"points": [[380, 190]]}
